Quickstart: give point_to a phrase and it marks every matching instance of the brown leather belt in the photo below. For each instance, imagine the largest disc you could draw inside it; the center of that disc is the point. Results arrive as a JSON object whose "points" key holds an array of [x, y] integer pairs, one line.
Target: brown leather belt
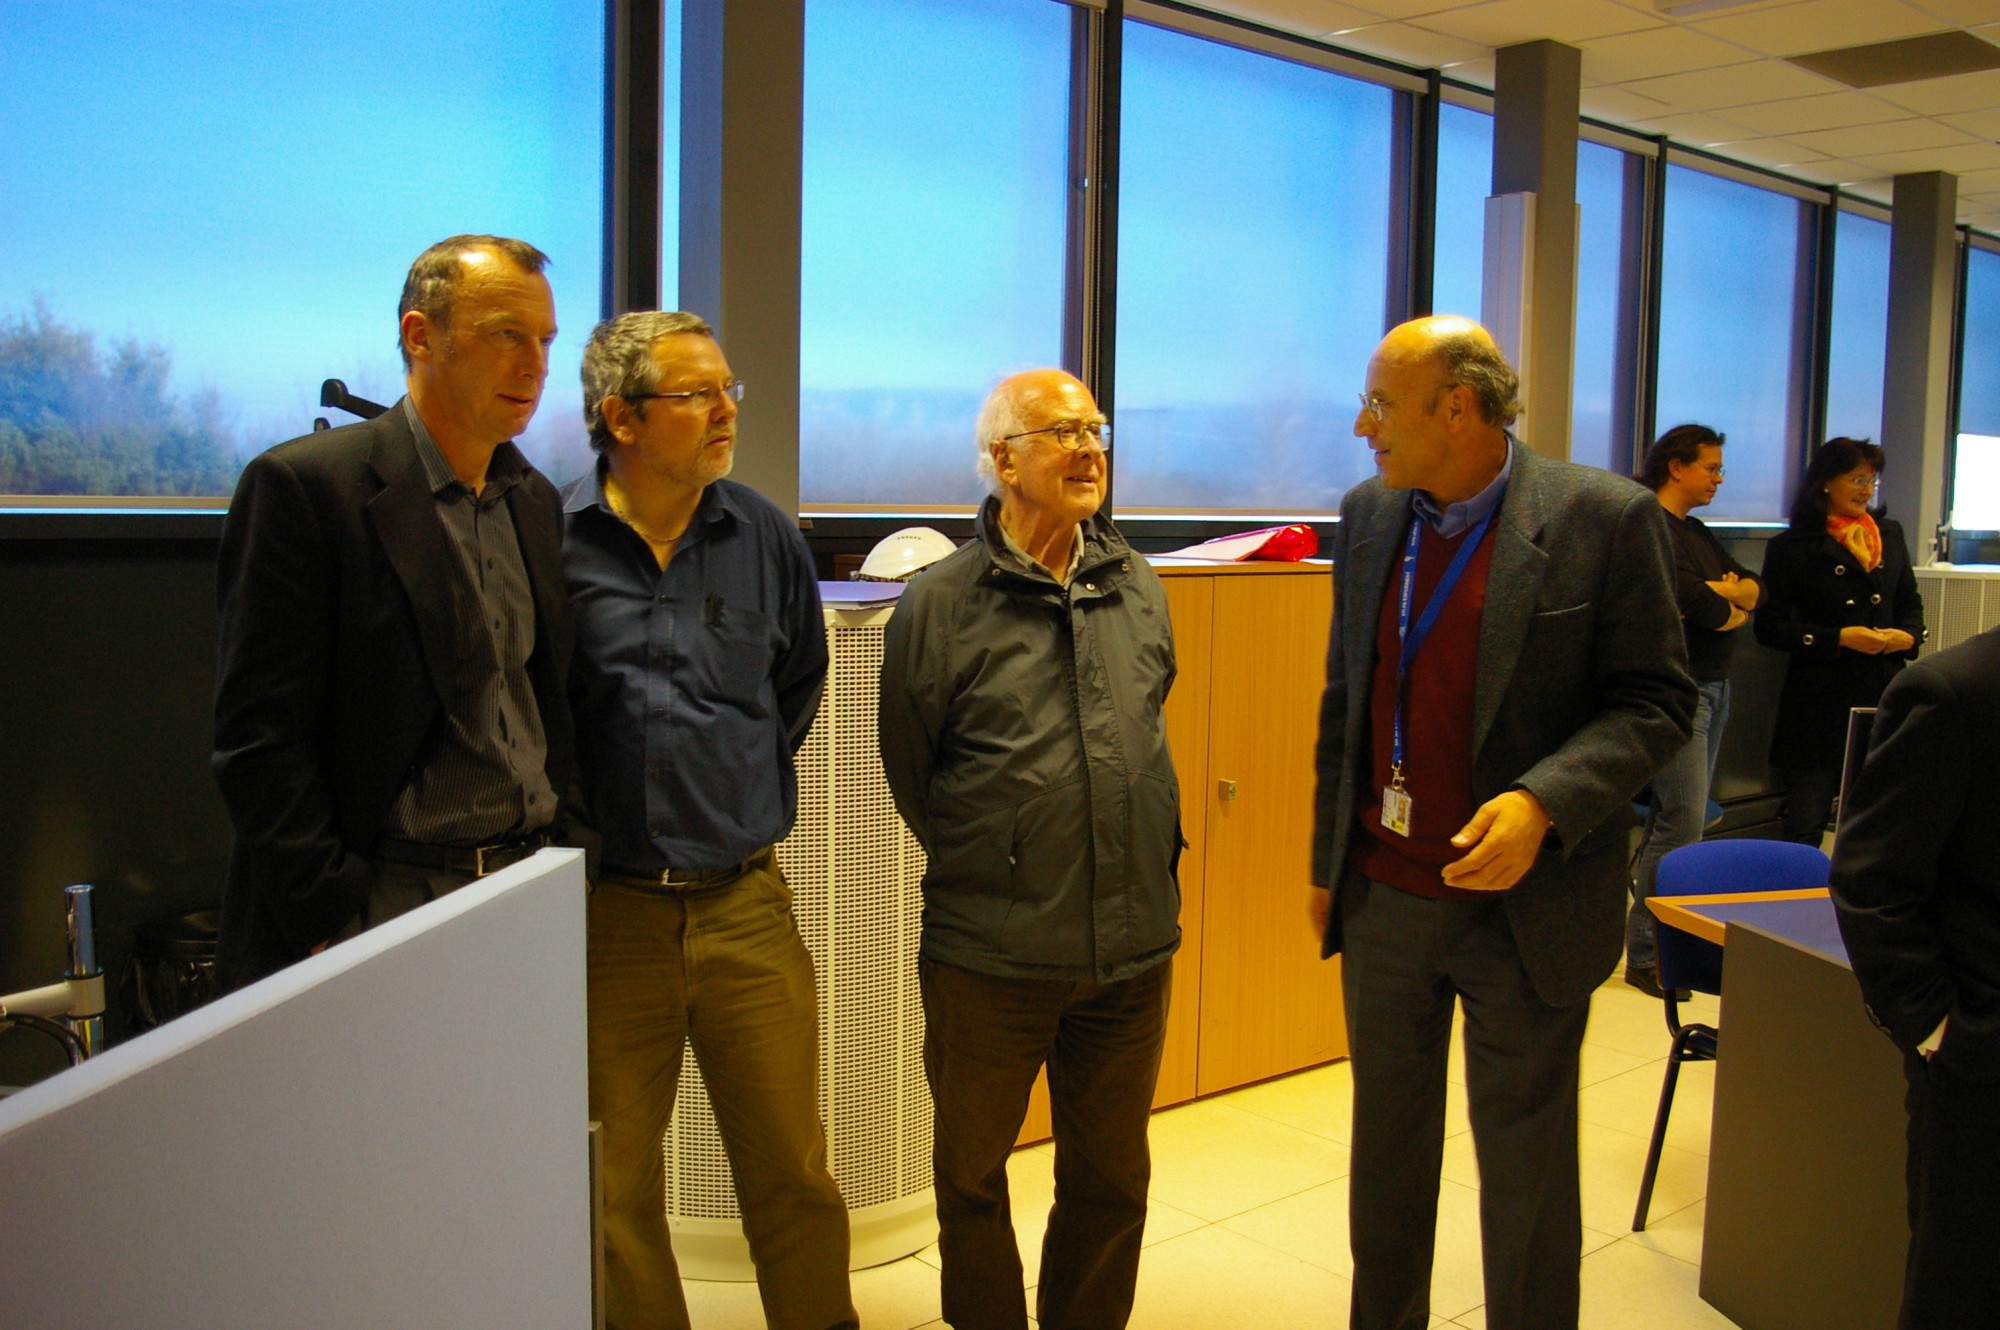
{"points": [[474, 860], [679, 881]]}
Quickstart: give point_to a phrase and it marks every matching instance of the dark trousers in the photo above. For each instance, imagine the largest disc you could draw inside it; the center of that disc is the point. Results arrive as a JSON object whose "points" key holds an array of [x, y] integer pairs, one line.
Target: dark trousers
{"points": [[398, 889], [1808, 802], [1406, 961], [985, 1038], [1952, 1280]]}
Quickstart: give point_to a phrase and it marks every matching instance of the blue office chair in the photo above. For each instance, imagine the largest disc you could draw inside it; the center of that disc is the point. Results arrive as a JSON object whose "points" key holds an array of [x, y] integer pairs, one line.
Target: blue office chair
{"points": [[1687, 962]]}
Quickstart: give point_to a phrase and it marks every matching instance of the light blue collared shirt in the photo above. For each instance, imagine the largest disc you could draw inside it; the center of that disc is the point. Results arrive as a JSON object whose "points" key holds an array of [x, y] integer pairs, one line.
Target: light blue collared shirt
{"points": [[1467, 513]]}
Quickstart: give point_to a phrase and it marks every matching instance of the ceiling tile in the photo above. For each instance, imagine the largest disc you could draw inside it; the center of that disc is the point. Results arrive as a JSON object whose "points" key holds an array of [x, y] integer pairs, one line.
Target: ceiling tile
{"points": [[1964, 13], [1308, 18], [1820, 25], [1986, 124], [1479, 72], [1504, 22], [1833, 110], [1960, 92], [1980, 182], [1653, 53], [1867, 181], [1970, 157], [1770, 152], [1698, 130], [1621, 107], [1412, 46], [1402, 9], [1732, 85], [1862, 141]]}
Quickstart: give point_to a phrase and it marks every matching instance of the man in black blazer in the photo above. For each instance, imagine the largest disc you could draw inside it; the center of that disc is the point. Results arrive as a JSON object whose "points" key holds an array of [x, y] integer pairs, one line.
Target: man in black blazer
{"points": [[1916, 881], [390, 719], [1482, 734]]}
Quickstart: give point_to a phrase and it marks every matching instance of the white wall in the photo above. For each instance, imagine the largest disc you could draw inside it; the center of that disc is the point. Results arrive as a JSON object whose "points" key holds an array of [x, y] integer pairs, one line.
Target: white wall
{"points": [[389, 1134]]}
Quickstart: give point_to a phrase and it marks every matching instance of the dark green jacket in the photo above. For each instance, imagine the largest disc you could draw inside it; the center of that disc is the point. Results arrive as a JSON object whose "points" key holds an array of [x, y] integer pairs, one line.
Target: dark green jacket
{"points": [[1023, 737]]}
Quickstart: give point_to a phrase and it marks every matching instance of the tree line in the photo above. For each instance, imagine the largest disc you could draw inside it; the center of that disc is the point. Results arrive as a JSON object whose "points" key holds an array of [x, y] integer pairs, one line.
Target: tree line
{"points": [[77, 418]]}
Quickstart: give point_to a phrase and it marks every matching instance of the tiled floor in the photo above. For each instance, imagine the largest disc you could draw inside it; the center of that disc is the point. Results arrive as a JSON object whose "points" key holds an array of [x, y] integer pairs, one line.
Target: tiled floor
{"points": [[1248, 1222]]}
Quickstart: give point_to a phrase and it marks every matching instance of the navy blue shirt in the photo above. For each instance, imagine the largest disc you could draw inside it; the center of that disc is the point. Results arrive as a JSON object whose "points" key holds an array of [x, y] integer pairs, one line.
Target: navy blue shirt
{"points": [[693, 685]]}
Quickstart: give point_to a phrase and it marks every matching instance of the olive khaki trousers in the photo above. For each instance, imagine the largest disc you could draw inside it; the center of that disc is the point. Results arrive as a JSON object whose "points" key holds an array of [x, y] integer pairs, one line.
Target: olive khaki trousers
{"points": [[722, 968]]}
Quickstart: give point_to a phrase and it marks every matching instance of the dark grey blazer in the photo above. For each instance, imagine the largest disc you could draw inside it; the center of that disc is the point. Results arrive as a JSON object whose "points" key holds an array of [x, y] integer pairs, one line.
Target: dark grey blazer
{"points": [[341, 636], [1582, 694]]}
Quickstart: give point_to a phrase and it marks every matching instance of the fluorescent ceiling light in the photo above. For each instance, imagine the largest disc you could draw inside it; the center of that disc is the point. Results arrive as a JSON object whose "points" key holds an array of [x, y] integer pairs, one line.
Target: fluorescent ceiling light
{"points": [[1689, 8]]}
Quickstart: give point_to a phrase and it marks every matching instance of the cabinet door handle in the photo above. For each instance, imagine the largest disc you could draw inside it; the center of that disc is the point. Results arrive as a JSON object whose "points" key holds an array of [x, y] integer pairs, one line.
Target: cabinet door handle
{"points": [[1225, 790]]}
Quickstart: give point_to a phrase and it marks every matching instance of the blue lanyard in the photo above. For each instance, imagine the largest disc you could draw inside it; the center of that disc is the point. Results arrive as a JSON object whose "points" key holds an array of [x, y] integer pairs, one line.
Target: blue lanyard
{"points": [[1412, 638]]}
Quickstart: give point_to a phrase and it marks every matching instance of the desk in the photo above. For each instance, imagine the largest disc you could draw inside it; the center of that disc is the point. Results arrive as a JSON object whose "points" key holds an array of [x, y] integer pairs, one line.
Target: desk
{"points": [[1805, 1222]]}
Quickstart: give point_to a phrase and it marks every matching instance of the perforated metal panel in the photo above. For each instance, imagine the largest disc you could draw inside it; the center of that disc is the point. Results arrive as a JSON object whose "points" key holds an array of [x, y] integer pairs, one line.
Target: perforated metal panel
{"points": [[856, 876], [1958, 603]]}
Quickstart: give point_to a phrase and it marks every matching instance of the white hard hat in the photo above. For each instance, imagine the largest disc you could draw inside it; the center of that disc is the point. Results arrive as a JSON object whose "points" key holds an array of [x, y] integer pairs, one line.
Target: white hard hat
{"points": [[901, 555]]}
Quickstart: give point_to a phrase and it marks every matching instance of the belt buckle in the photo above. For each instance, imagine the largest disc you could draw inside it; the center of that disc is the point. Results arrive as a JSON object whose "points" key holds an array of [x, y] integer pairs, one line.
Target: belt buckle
{"points": [[503, 854], [675, 877]]}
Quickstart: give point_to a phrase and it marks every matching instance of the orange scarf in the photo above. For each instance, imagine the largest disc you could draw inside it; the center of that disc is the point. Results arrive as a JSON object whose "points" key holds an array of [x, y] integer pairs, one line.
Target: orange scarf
{"points": [[1861, 535]]}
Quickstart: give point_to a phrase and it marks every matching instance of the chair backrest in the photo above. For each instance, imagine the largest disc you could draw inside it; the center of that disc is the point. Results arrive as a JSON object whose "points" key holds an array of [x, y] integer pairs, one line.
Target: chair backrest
{"points": [[1712, 867]]}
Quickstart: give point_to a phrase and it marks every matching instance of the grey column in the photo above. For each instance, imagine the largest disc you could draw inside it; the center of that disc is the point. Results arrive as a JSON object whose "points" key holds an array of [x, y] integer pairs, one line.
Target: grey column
{"points": [[742, 112], [1535, 94], [1923, 273]]}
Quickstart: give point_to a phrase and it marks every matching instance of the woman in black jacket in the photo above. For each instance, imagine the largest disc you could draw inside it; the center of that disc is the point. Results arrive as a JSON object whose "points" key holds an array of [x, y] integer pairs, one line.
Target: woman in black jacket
{"points": [[1839, 596]]}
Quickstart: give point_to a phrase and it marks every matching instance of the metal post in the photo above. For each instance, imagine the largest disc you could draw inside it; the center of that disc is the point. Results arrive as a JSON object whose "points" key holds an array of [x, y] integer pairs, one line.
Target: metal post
{"points": [[87, 1021]]}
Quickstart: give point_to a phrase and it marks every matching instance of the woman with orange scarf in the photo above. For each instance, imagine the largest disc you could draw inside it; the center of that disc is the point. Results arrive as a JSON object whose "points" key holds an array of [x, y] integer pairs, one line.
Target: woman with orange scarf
{"points": [[1840, 599]]}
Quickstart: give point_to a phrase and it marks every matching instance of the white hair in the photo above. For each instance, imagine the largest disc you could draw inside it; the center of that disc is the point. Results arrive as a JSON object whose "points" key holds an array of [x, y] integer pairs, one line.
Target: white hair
{"points": [[1003, 413]]}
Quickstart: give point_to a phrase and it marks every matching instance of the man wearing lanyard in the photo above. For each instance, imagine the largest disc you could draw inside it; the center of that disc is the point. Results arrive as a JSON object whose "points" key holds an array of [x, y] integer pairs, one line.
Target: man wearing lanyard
{"points": [[701, 653], [1506, 670]]}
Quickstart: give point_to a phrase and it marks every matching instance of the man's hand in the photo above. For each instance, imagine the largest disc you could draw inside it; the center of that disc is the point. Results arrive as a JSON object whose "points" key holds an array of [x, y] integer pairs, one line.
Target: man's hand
{"points": [[1318, 901], [1503, 838], [1740, 592]]}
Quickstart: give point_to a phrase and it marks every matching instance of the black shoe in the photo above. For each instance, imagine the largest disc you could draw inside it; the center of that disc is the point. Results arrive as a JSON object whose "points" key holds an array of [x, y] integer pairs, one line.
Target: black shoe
{"points": [[1647, 980]]}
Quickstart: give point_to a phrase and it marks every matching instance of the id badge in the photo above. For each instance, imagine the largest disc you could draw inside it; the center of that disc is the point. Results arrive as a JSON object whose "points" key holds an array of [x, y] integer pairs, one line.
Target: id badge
{"points": [[1396, 809]]}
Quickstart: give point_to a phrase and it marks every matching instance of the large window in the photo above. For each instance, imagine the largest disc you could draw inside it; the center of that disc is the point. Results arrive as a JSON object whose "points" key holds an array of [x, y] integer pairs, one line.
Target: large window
{"points": [[1860, 328], [1608, 184], [1976, 474], [935, 195], [1464, 179], [1734, 283], [209, 209], [1252, 270]]}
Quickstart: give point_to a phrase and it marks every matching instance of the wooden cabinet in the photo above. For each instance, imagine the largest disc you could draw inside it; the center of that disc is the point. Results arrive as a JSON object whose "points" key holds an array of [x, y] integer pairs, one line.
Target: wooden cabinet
{"points": [[1252, 998]]}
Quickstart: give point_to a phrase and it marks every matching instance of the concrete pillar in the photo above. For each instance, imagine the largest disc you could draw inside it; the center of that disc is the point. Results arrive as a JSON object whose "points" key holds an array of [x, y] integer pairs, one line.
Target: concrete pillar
{"points": [[1535, 96], [1923, 271], [742, 117]]}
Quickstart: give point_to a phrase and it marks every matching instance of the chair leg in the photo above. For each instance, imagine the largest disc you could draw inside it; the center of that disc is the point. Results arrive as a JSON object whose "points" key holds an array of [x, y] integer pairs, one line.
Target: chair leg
{"points": [[1674, 1059]]}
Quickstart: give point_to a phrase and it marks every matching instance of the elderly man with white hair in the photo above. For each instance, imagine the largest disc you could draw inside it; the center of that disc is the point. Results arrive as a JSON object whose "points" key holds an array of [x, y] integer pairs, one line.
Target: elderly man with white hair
{"points": [[1022, 684]]}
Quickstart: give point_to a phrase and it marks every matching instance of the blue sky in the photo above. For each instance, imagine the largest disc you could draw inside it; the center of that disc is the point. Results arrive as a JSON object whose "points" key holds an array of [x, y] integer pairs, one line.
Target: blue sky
{"points": [[246, 183]]}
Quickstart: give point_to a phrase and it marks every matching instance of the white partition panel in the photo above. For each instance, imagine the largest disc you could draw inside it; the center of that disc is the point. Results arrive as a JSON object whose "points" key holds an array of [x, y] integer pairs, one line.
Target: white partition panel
{"points": [[391, 1133]]}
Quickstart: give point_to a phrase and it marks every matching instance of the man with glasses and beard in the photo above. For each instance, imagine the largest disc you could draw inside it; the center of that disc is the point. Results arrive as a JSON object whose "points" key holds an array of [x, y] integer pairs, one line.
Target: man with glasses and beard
{"points": [[701, 654]]}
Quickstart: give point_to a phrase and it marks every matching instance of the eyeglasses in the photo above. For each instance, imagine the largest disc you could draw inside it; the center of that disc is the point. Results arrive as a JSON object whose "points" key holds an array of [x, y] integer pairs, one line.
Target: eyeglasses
{"points": [[1714, 469], [706, 399], [1376, 407], [1069, 434]]}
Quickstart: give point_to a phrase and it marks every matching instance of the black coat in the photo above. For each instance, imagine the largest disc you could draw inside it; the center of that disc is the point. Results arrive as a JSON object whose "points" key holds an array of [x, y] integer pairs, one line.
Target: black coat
{"points": [[1813, 588], [340, 638], [1916, 872]]}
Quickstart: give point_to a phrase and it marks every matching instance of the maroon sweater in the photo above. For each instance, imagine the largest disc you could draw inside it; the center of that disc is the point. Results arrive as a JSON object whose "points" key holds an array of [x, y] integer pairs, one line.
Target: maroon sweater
{"points": [[1437, 721]]}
